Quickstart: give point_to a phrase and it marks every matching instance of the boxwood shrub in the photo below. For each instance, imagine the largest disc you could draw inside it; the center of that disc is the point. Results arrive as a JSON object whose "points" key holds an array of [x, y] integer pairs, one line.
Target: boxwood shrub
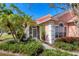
{"points": [[52, 52], [31, 47]]}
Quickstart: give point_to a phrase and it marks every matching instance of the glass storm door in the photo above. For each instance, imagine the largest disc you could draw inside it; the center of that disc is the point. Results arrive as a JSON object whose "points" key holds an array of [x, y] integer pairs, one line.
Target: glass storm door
{"points": [[56, 31], [34, 32]]}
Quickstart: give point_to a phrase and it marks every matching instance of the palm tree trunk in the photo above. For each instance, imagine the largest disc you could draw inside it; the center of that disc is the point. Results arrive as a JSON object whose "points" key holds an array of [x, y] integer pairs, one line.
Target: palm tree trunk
{"points": [[12, 34], [1, 34], [26, 31]]}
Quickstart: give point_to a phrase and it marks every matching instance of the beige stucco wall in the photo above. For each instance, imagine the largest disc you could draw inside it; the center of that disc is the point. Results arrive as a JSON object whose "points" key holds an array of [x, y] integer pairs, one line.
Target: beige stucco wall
{"points": [[73, 31]]}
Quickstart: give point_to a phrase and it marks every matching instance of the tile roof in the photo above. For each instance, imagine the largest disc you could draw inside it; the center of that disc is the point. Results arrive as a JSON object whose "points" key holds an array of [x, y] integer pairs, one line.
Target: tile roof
{"points": [[73, 19], [43, 19], [67, 16]]}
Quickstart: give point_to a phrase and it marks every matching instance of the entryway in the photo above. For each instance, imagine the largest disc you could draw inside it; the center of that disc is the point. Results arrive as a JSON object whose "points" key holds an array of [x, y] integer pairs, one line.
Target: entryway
{"points": [[35, 32]]}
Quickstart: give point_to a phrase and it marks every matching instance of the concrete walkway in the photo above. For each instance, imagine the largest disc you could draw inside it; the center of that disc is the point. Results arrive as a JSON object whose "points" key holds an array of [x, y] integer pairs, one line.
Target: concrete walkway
{"points": [[46, 46]]}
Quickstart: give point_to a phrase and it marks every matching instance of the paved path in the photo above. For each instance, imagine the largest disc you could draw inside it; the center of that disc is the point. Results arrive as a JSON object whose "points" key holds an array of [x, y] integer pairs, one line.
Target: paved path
{"points": [[46, 46], [7, 53]]}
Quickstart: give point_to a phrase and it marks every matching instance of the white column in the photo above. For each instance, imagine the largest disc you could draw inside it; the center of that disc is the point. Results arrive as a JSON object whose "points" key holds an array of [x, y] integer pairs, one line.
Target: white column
{"points": [[40, 29], [49, 33], [53, 33]]}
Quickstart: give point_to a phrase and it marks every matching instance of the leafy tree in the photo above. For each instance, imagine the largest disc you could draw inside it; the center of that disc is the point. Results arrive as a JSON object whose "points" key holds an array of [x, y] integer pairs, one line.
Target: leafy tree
{"points": [[17, 24], [65, 6]]}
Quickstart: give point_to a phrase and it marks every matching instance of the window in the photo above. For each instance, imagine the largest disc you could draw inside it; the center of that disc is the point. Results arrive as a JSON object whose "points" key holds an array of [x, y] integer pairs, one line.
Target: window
{"points": [[61, 25], [65, 31], [61, 30], [56, 31]]}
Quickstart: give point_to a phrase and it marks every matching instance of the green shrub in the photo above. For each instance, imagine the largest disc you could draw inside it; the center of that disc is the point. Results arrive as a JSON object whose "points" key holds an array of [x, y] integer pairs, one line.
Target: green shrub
{"points": [[4, 46], [14, 48], [63, 45], [66, 46], [69, 39], [31, 47], [52, 52]]}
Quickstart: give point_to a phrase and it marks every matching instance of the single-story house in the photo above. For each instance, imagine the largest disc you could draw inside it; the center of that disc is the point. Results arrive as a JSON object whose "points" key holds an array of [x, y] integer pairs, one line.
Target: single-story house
{"points": [[60, 25]]}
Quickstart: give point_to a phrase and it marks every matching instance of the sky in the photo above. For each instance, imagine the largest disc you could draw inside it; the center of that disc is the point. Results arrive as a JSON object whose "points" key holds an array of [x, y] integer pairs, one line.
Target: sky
{"points": [[37, 10]]}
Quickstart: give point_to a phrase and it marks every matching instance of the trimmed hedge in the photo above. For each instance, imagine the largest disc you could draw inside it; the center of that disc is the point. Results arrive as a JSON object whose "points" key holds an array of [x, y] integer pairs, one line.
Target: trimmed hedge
{"points": [[67, 45], [32, 47], [69, 39], [52, 52]]}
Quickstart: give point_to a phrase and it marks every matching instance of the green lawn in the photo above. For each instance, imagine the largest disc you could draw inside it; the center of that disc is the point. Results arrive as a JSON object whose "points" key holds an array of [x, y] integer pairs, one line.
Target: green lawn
{"points": [[6, 36]]}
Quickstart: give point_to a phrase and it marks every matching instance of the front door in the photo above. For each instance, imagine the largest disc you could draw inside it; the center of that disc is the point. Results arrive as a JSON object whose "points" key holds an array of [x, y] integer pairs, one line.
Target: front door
{"points": [[56, 31], [35, 32]]}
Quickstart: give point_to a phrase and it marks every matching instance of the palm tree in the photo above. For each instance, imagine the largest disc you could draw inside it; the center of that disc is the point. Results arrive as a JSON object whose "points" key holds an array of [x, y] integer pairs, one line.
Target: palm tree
{"points": [[15, 8], [18, 24], [6, 24], [27, 23], [75, 8], [5, 16]]}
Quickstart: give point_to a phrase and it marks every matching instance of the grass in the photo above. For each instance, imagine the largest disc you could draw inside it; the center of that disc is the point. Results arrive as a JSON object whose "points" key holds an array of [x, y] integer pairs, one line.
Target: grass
{"points": [[6, 36]]}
